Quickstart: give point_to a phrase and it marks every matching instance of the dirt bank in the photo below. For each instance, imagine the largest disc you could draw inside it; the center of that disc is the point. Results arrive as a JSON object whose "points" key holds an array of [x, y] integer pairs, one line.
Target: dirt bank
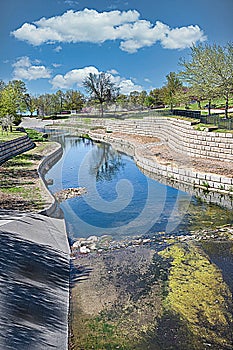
{"points": [[162, 154]]}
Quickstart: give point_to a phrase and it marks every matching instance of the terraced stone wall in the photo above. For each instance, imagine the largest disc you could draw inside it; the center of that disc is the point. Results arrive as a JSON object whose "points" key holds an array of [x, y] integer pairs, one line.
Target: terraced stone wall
{"points": [[179, 135], [12, 148]]}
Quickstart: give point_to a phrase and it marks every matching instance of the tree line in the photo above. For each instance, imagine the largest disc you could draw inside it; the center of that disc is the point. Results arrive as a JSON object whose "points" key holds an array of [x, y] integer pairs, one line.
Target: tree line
{"points": [[206, 75]]}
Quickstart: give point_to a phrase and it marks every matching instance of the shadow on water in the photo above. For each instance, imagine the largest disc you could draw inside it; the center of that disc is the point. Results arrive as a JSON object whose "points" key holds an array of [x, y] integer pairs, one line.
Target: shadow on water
{"points": [[30, 276], [220, 253]]}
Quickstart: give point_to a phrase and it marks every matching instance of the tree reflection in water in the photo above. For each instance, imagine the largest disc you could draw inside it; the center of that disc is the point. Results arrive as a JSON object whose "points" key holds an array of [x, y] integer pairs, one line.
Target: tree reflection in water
{"points": [[108, 162]]}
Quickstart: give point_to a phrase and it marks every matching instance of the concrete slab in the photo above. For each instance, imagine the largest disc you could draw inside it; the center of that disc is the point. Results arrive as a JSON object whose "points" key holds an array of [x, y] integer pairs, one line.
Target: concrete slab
{"points": [[28, 122], [34, 284]]}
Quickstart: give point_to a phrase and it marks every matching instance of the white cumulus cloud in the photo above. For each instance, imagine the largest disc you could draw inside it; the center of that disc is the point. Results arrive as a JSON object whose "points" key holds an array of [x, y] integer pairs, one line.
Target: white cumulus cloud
{"points": [[72, 78], [75, 77], [26, 70], [97, 27], [126, 86]]}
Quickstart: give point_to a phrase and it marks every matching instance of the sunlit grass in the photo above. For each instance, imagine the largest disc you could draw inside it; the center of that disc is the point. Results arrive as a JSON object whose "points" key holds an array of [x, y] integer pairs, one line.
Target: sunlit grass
{"points": [[8, 136]]}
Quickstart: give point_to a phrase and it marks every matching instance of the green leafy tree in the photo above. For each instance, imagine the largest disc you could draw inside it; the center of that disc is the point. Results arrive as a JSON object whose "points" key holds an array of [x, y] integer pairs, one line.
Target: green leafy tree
{"points": [[122, 101], [197, 74], [2, 85], [142, 98], [61, 97], [134, 99], [12, 100], [73, 100], [31, 103], [210, 72], [173, 85], [48, 104], [183, 96], [221, 67], [101, 88], [154, 99]]}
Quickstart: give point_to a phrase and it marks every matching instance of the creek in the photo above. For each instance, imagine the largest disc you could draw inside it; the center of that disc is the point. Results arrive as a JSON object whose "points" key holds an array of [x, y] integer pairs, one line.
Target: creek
{"points": [[123, 203]]}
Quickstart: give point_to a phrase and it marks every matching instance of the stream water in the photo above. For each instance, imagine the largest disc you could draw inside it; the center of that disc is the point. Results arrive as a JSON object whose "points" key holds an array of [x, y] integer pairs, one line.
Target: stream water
{"points": [[123, 203], [120, 199]]}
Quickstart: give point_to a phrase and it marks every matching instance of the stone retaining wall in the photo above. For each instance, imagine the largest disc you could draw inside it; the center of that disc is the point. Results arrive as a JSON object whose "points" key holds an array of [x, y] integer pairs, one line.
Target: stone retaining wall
{"points": [[179, 135], [189, 178], [12, 148]]}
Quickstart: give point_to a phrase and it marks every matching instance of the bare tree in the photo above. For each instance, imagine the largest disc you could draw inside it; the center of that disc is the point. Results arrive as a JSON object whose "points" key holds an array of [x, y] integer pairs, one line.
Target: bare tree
{"points": [[102, 88]]}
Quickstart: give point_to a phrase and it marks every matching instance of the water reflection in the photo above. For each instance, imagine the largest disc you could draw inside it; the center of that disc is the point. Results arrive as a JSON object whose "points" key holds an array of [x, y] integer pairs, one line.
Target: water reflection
{"points": [[108, 163], [168, 296], [120, 199]]}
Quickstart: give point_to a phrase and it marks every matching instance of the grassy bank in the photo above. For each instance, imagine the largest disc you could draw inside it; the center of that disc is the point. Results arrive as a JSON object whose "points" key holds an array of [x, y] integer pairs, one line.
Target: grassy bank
{"points": [[20, 185], [4, 136]]}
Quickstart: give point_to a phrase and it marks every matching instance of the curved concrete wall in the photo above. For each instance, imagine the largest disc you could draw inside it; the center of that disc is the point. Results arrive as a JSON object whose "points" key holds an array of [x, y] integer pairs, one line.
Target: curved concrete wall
{"points": [[53, 209], [12, 148]]}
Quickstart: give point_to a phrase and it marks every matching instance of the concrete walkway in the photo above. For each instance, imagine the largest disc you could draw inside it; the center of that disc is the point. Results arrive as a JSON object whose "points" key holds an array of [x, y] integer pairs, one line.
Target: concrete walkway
{"points": [[34, 283], [28, 122]]}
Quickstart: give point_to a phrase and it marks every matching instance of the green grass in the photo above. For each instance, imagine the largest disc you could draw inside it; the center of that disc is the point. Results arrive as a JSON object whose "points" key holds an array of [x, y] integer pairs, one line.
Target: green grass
{"points": [[55, 117], [218, 102], [22, 160], [4, 137], [35, 136], [203, 127], [19, 183]]}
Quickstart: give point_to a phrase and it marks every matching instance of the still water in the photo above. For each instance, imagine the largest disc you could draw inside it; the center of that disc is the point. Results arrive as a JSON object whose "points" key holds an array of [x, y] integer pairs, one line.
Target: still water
{"points": [[174, 295], [120, 200]]}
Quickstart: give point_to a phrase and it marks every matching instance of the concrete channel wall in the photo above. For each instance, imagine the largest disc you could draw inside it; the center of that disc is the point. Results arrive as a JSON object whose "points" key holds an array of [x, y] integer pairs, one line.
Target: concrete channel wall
{"points": [[53, 209], [35, 257], [12, 148]]}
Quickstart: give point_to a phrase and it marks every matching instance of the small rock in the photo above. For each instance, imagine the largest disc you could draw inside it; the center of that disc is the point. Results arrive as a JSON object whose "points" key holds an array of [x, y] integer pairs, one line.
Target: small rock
{"points": [[84, 250], [92, 246], [146, 240], [92, 239], [76, 244], [49, 182]]}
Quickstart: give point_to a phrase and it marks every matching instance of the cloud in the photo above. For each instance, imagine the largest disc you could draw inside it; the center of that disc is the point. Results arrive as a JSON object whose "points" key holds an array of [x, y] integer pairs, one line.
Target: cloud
{"points": [[72, 78], [56, 65], [75, 77], [112, 71], [58, 48], [126, 86], [180, 38], [98, 27], [24, 69], [71, 2]]}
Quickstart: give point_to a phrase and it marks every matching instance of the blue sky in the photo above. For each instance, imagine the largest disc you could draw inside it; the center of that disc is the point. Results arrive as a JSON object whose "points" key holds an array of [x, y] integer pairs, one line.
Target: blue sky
{"points": [[54, 44]]}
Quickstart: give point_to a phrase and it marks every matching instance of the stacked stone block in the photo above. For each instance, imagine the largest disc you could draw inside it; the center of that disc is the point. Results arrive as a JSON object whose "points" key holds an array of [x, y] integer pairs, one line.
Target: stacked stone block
{"points": [[12, 148]]}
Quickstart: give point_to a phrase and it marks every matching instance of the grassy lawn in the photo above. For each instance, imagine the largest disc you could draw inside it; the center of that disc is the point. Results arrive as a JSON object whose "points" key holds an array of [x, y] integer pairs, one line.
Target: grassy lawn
{"points": [[219, 103], [34, 135], [10, 135], [20, 186]]}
